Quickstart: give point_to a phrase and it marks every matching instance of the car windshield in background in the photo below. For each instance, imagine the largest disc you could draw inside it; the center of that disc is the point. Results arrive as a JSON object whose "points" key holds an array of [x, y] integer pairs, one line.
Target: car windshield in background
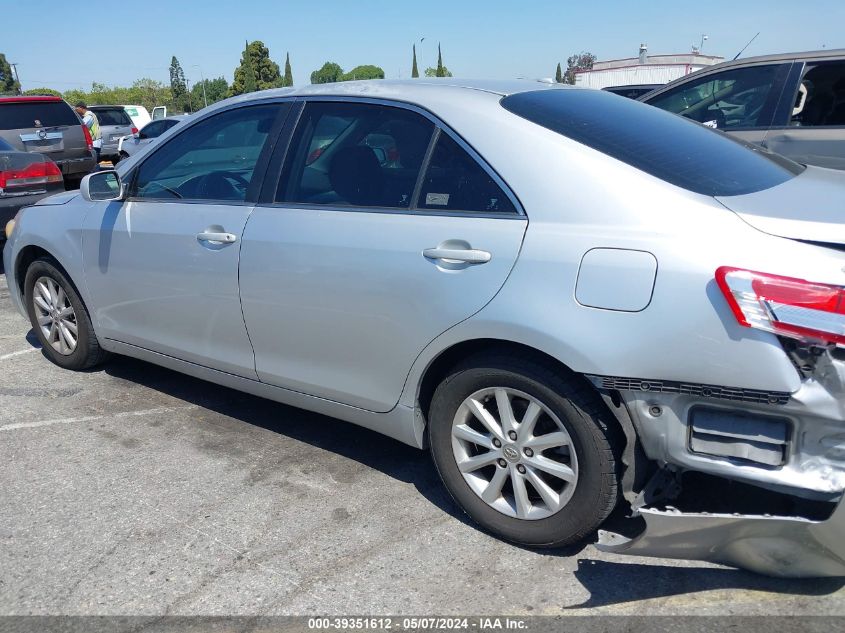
{"points": [[112, 117], [659, 143], [16, 116]]}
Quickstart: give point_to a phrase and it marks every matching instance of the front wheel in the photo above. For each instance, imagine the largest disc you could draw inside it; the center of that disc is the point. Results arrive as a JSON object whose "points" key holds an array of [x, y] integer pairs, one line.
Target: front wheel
{"points": [[527, 451], [59, 317]]}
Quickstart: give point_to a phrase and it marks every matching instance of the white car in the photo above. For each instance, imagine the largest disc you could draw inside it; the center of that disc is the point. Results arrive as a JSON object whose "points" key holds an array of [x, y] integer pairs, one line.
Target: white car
{"points": [[129, 145], [139, 114]]}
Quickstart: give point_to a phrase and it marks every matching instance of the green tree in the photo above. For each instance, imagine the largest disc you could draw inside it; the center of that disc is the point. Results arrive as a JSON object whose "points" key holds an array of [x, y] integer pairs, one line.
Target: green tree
{"points": [[178, 86], [329, 73], [432, 72], [256, 70], [415, 73], [441, 69], [8, 82], [367, 71], [577, 62], [215, 90], [288, 80], [558, 74], [45, 92]]}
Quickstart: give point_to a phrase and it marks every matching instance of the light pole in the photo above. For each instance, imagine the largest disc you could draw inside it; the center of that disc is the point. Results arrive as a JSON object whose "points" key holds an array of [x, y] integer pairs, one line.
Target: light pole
{"points": [[14, 67], [422, 39], [202, 77]]}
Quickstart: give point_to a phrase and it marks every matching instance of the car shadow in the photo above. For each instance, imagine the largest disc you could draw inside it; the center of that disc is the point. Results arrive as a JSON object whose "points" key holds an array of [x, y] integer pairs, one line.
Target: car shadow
{"points": [[611, 583]]}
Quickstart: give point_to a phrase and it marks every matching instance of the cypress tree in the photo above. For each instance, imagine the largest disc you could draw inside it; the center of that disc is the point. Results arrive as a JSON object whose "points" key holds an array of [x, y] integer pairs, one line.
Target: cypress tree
{"points": [[415, 73], [558, 74], [288, 72], [440, 71], [250, 84]]}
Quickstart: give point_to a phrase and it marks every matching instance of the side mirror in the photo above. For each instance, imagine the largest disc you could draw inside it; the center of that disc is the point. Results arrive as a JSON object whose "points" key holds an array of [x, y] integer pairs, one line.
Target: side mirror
{"points": [[102, 186]]}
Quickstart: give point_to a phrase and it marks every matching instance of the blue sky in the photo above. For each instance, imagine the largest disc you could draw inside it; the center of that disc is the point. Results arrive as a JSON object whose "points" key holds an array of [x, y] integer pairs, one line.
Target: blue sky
{"points": [[483, 39]]}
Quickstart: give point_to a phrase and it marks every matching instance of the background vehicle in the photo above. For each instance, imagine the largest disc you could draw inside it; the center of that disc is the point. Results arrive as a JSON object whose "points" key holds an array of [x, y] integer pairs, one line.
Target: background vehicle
{"points": [[683, 325], [129, 145], [25, 178], [632, 92], [792, 104], [139, 115], [49, 126], [115, 123]]}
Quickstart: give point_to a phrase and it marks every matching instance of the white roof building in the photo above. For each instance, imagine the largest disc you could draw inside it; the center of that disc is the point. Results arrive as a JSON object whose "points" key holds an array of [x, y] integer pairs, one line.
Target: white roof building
{"points": [[645, 69]]}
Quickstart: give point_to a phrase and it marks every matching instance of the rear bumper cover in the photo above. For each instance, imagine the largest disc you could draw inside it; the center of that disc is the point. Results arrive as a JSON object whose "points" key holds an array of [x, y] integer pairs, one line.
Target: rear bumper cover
{"points": [[774, 546], [77, 166]]}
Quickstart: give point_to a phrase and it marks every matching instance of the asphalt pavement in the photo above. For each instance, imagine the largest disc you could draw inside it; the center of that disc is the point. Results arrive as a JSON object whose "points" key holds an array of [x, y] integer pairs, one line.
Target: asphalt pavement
{"points": [[132, 489]]}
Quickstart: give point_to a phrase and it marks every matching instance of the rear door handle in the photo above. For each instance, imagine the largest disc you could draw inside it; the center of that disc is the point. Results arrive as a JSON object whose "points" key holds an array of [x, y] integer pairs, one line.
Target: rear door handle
{"points": [[222, 238], [458, 255]]}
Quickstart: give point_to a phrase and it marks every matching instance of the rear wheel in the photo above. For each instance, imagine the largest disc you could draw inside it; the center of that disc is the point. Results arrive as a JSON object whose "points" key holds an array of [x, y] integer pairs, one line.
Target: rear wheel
{"points": [[527, 452], [59, 317]]}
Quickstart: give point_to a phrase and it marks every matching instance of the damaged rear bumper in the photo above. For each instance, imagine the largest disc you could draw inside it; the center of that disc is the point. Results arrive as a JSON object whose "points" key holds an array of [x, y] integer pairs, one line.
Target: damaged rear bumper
{"points": [[775, 546]]}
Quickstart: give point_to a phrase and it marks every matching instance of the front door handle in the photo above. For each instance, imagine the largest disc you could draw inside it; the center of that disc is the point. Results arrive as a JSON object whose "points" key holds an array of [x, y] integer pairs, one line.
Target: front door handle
{"points": [[458, 255], [219, 237]]}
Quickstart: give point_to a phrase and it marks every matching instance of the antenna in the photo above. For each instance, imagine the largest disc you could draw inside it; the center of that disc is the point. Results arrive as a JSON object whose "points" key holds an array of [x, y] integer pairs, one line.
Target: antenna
{"points": [[746, 46]]}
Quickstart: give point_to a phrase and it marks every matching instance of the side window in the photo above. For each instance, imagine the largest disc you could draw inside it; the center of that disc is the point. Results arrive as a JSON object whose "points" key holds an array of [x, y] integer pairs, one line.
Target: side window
{"points": [[454, 181], [212, 160], [355, 154], [731, 99], [821, 97], [151, 130]]}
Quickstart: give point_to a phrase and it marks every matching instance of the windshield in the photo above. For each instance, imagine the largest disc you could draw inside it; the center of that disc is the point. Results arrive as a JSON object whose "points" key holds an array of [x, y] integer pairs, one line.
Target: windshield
{"points": [[659, 143]]}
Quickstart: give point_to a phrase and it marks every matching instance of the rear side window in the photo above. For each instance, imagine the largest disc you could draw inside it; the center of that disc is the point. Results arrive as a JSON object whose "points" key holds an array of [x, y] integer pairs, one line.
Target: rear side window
{"points": [[454, 181], [16, 116], [666, 146], [821, 97], [112, 116]]}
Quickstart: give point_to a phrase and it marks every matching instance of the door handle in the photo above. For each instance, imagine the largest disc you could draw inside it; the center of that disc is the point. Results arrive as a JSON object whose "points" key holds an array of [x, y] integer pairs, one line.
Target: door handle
{"points": [[458, 255], [212, 236]]}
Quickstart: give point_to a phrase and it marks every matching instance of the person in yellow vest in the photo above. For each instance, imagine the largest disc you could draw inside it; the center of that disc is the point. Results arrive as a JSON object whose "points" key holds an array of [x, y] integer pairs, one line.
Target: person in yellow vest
{"points": [[89, 119]]}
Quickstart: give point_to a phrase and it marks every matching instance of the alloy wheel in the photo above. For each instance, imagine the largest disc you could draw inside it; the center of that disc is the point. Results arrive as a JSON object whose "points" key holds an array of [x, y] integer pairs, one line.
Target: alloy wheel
{"points": [[55, 315]]}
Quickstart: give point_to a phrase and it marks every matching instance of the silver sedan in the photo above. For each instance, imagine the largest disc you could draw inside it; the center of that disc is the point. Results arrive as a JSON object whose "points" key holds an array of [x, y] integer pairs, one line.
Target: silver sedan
{"points": [[575, 301]]}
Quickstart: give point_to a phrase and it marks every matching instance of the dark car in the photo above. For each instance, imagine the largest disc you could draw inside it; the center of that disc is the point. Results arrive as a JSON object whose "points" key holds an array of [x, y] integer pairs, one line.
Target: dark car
{"points": [[49, 126], [634, 91], [115, 123], [25, 178], [792, 104]]}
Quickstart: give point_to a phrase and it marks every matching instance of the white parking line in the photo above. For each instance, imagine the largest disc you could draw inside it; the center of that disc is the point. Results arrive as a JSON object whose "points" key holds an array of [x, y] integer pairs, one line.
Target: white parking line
{"points": [[89, 418], [20, 353]]}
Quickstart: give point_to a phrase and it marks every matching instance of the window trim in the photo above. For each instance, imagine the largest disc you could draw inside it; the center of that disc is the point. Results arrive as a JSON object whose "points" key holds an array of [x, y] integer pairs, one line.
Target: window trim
{"points": [[258, 175], [267, 199]]}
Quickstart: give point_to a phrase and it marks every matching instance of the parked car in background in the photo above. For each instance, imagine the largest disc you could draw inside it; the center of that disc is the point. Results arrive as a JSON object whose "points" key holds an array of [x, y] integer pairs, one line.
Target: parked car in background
{"points": [[130, 145], [115, 123], [634, 91], [674, 342], [792, 104], [25, 178], [48, 126], [139, 114]]}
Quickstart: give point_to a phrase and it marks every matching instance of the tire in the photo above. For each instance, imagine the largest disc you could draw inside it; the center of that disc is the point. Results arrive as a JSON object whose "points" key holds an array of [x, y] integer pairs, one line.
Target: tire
{"points": [[567, 404], [66, 311]]}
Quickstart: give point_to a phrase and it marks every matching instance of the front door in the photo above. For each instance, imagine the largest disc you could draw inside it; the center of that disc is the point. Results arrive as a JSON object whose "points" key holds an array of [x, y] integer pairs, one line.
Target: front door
{"points": [[360, 262], [162, 267]]}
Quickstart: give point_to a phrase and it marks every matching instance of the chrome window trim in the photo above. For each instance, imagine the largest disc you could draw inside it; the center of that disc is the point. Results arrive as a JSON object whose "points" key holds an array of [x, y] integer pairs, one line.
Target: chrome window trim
{"points": [[440, 127]]}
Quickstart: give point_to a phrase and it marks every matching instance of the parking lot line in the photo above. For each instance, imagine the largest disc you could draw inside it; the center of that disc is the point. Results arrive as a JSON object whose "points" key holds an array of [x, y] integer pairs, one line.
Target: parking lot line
{"points": [[20, 353], [89, 418]]}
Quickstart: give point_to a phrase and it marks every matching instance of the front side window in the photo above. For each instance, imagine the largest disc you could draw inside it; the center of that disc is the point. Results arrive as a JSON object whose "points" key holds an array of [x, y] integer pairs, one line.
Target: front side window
{"points": [[212, 160], [821, 97], [152, 130], [355, 154], [454, 181], [739, 98]]}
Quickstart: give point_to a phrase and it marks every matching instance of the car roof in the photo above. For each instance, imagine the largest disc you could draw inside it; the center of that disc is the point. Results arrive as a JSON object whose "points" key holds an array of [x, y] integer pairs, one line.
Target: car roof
{"points": [[24, 98], [781, 57]]}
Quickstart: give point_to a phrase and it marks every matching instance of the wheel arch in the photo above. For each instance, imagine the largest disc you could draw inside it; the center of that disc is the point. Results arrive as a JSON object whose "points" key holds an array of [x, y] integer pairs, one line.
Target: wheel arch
{"points": [[32, 252]]}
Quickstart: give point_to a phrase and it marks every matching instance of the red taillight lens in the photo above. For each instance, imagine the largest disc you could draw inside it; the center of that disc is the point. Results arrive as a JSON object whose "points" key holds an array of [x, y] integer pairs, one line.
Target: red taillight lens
{"points": [[783, 305], [134, 130], [88, 140], [35, 174]]}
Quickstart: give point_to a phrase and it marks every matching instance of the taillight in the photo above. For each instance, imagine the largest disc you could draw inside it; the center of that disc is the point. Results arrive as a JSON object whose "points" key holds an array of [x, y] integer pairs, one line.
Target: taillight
{"points": [[88, 140], [31, 175], [796, 308], [134, 130]]}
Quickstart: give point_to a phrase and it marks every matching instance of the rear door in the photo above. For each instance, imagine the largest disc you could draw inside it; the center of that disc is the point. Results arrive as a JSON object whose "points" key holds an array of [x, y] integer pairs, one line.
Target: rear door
{"points": [[811, 129], [48, 127], [114, 124], [384, 231], [741, 100]]}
